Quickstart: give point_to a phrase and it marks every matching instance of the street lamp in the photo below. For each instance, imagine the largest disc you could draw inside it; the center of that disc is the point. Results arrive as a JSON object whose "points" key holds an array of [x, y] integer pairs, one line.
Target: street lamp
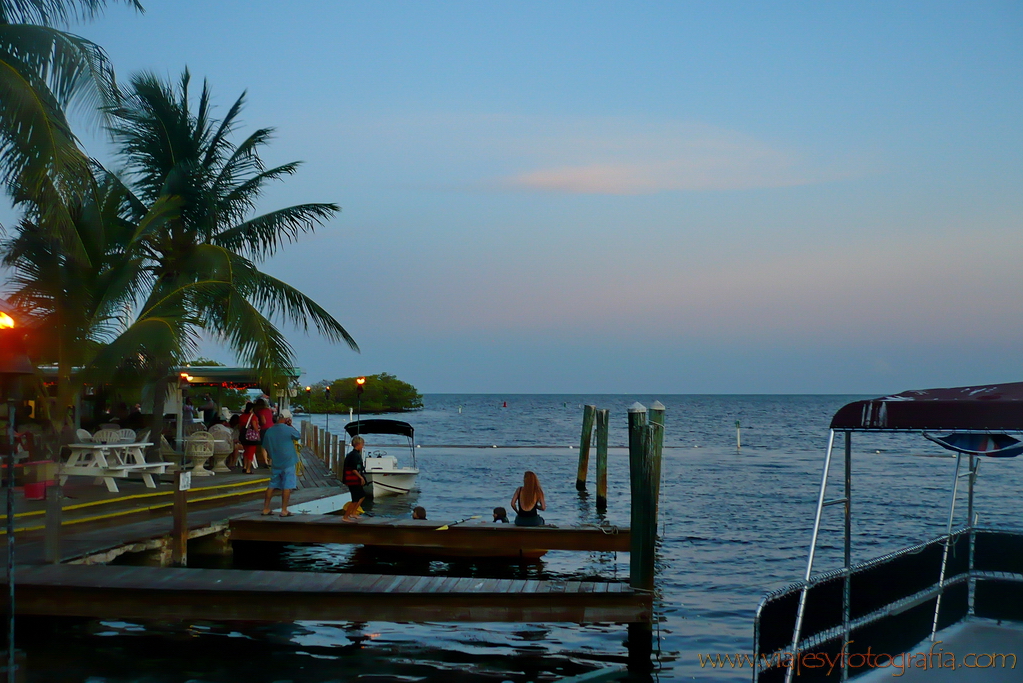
{"points": [[326, 391], [308, 399], [14, 364], [359, 388]]}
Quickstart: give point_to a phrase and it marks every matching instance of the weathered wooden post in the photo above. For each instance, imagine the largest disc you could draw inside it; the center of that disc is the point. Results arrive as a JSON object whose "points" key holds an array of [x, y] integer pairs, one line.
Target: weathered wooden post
{"points": [[584, 447], [333, 454], [657, 418], [179, 530], [642, 526], [602, 421], [54, 512]]}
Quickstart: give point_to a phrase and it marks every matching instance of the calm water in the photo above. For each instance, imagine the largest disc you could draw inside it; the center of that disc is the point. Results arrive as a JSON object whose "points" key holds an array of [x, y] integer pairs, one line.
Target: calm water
{"points": [[735, 525]]}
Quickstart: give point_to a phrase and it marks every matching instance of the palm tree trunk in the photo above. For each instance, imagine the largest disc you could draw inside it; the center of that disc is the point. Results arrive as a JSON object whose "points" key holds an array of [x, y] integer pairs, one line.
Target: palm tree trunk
{"points": [[160, 388]]}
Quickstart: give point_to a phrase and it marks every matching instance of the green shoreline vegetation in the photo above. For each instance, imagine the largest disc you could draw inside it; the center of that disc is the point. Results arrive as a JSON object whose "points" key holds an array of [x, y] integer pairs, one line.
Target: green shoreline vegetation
{"points": [[116, 275], [383, 393]]}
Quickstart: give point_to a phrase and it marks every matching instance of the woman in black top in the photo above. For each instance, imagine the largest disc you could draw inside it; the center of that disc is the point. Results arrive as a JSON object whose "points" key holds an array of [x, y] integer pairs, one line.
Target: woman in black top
{"points": [[528, 501]]}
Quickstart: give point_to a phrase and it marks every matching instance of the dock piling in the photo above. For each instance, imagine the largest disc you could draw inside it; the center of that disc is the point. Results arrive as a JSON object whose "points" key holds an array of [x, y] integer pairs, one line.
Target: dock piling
{"points": [[602, 424], [643, 438], [584, 447], [179, 530], [657, 418], [54, 512]]}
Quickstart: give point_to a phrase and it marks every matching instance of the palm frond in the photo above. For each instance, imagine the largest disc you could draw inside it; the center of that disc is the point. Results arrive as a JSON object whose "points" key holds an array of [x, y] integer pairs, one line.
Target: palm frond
{"points": [[262, 236]]}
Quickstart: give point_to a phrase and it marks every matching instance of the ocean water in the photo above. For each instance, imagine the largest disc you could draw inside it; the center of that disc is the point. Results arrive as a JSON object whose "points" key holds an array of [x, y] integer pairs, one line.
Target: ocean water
{"points": [[735, 524]]}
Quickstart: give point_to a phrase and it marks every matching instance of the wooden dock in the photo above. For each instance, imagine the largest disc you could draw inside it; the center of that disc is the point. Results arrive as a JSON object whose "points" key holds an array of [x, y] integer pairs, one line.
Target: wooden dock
{"points": [[486, 537], [108, 592], [84, 585]]}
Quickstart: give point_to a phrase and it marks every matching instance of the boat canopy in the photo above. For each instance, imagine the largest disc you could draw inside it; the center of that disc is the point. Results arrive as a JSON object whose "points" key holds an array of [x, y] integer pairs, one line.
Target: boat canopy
{"points": [[992, 407], [380, 426]]}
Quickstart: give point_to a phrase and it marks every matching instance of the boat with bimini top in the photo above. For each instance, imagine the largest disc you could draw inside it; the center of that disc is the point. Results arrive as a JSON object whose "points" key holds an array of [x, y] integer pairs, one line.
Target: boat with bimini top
{"points": [[919, 613], [384, 476]]}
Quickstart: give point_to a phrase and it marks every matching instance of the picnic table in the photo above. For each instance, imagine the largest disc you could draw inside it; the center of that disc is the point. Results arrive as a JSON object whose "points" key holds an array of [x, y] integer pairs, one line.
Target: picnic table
{"points": [[109, 461]]}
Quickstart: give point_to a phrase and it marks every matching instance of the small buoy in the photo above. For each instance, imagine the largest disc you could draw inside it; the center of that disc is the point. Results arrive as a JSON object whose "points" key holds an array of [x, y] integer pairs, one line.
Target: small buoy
{"points": [[505, 404], [459, 410], [493, 446]]}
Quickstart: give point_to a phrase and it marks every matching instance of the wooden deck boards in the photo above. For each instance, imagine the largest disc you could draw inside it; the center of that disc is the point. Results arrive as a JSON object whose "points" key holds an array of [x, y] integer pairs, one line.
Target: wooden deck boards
{"points": [[221, 594], [424, 534]]}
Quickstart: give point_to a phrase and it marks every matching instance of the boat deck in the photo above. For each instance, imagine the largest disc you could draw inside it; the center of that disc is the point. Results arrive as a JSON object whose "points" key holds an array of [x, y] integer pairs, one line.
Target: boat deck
{"points": [[983, 651]]}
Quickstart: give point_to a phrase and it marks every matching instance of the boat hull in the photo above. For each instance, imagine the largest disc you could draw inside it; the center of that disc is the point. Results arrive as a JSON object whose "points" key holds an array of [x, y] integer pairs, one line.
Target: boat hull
{"points": [[379, 484]]}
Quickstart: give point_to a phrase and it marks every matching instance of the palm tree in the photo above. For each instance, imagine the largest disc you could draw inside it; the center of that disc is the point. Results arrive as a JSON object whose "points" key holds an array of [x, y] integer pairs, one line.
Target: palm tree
{"points": [[205, 262], [83, 308], [43, 71]]}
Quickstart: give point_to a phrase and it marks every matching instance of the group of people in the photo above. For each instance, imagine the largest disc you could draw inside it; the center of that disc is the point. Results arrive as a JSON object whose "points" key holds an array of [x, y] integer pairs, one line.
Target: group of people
{"points": [[527, 502]]}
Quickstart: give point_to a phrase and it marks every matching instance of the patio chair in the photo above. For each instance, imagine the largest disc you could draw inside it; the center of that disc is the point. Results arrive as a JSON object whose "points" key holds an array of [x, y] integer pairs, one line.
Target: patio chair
{"points": [[125, 436], [107, 436], [84, 436], [143, 435]]}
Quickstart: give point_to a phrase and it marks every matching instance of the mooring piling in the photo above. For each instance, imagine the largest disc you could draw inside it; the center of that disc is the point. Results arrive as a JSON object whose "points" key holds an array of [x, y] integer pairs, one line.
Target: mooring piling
{"points": [[643, 472], [738, 436], [602, 423], [584, 447], [54, 513], [179, 529], [657, 418]]}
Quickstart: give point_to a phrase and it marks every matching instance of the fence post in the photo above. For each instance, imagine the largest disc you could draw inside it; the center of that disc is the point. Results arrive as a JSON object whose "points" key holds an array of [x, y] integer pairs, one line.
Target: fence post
{"points": [[584, 447], [602, 424]]}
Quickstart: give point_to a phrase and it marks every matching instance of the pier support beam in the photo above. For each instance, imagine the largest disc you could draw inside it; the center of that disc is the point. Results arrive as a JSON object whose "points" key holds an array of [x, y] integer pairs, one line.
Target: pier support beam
{"points": [[644, 440], [179, 530], [584, 447], [602, 424], [54, 513]]}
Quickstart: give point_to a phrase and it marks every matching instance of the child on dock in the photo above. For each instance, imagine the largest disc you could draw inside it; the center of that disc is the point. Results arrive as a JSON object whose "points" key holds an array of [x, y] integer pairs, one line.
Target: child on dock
{"points": [[419, 512], [501, 515]]}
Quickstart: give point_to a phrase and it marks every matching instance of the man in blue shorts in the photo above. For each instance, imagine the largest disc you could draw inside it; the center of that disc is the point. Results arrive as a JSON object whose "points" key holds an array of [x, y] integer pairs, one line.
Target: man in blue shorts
{"points": [[279, 442]]}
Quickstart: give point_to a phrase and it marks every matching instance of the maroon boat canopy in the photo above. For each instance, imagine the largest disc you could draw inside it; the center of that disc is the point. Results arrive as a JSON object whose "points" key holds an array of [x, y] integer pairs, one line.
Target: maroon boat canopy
{"points": [[992, 407]]}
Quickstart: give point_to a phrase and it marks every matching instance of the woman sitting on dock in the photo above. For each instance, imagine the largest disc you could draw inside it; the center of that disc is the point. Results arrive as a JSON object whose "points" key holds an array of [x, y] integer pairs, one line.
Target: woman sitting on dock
{"points": [[528, 501]]}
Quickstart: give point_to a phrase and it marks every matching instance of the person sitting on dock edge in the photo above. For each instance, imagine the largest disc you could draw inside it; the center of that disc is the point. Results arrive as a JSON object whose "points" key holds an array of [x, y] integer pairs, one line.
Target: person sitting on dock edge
{"points": [[528, 501], [279, 442], [501, 515], [353, 468]]}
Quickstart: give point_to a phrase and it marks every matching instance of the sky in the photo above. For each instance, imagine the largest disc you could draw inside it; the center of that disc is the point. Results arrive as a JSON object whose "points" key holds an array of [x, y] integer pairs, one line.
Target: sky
{"points": [[632, 197]]}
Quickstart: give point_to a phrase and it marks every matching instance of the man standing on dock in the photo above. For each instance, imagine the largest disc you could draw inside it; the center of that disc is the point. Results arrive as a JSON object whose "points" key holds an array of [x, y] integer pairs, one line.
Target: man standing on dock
{"points": [[279, 442]]}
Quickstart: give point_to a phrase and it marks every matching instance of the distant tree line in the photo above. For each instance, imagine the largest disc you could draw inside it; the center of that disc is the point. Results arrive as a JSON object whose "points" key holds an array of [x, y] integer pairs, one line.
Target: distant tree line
{"points": [[383, 393]]}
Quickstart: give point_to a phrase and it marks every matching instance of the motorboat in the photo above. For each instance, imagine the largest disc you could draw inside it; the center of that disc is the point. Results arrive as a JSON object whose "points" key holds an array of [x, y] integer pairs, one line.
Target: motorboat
{"points": [[919, 613], [384, 475]]}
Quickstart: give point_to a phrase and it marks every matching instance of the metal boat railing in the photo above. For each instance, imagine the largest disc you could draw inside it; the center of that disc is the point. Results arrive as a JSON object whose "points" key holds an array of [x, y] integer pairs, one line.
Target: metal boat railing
{"points": [[888, 604]]}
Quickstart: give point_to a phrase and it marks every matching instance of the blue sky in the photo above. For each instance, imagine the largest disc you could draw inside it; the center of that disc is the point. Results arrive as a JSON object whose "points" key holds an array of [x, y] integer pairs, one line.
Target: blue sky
{"points": [[634, 197]]}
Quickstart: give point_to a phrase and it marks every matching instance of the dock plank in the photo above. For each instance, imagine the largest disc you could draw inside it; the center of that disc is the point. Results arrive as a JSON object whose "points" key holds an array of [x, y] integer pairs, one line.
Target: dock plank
{"points": [[150, 592], [490, 538]]}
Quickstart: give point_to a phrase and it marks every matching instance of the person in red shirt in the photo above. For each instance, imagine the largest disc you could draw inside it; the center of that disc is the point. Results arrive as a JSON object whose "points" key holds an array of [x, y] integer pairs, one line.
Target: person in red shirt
{"points": [[266, 421]]}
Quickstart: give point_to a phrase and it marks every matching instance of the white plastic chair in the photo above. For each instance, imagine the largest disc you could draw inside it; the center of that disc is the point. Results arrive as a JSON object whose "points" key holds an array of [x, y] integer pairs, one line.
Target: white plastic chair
{"points": [[126, 436], [84, 436], [142, 435], [107, 436], [199, 447]]}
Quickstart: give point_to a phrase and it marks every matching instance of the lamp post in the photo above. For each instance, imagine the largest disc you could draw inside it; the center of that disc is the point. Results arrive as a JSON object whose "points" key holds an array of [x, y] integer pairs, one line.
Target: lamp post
{"points": [[14, 364], [308, 399], [326, 391], [359, 388]]}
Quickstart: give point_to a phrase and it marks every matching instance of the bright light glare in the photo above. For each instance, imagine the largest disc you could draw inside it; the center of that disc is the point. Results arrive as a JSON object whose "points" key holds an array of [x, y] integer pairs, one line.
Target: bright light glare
{"points": [[6, 321]]}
